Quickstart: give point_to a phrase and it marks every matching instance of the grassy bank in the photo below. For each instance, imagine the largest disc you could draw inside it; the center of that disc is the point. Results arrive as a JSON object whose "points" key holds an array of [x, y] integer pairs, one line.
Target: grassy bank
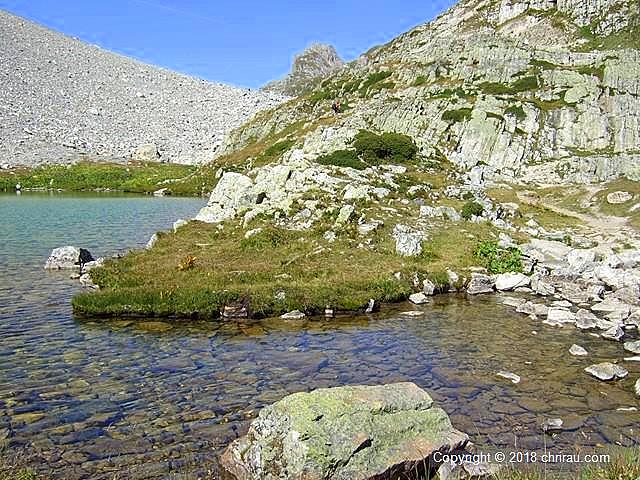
{"points": [[201, 268], [134, 177]]}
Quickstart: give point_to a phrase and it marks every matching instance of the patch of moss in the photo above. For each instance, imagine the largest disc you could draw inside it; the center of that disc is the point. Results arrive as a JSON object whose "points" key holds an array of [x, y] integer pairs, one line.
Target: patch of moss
{"points": [[517, 111]]}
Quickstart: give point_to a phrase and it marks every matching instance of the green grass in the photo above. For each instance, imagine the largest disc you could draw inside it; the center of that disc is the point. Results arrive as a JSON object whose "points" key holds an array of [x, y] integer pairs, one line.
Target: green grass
{"points": [[342, 158], [496, 259], [134, 177], [471, 209], [457, 116], [517, 111], [229, 268], [374, 82]]}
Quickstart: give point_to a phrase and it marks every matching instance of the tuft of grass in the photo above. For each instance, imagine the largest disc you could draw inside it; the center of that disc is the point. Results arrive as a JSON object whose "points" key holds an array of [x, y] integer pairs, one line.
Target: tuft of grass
{"points": [[471, 209], [135, 177], [498, 260]]}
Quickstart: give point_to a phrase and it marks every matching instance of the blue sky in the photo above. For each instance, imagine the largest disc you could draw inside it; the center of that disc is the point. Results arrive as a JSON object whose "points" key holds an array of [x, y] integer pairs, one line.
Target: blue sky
{"points": [[244, 43]]}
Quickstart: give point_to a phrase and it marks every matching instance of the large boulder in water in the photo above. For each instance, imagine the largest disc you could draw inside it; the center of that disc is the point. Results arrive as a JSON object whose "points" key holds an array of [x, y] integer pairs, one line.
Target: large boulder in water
{"points": [[354, 432], [67, 258]]}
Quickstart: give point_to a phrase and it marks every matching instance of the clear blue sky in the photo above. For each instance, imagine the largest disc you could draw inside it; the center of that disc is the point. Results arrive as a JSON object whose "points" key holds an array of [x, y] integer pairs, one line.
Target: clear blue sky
{"points": [[244, 43]]}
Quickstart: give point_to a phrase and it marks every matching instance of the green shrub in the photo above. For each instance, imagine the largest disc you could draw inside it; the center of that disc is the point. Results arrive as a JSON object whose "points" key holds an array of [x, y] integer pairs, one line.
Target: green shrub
{"points": [[496, 259], [372, 80], [457, 116], [420, 80], [517, 111], [278, 149], [471, 209], [376, 149], [525, 84], [342, 158]]}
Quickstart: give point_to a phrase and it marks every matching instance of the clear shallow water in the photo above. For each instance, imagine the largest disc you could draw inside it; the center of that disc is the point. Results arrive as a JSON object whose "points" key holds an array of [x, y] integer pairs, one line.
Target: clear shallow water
{"points": [[151, 400]]}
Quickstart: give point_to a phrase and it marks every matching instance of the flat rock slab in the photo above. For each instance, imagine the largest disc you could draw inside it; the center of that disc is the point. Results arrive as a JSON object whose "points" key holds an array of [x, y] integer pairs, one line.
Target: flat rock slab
{"points": [[607, 371], [356, 432]]}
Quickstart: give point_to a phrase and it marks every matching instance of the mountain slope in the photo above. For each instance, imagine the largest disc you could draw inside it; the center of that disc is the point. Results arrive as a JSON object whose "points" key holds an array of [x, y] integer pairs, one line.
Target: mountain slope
{"points": [[538, 91], [60, 98], [309, 68]]}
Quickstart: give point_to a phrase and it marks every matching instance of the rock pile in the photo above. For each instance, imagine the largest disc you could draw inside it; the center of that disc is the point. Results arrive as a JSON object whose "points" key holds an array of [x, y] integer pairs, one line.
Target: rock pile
{"points": [[61, 98]]}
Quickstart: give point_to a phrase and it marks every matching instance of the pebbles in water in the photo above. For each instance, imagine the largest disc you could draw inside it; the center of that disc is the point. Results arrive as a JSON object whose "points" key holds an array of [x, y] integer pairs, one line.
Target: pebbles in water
{"points": [[607, 371], [509, 376], [578, 351]]}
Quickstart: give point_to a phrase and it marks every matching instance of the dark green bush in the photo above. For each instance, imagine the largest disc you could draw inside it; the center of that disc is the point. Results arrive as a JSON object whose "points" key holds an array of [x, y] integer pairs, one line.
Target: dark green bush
{"points": [[525, 84], [517, 111], [342, 158], [471, 209], [498, 260], [376, 149], [457, 116], [278, 149]]}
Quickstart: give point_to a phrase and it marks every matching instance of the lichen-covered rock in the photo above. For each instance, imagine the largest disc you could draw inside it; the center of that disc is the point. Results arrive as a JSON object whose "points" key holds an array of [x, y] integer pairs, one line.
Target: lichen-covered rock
{"points": [[356, 432], [68, 258], [408, 241]]}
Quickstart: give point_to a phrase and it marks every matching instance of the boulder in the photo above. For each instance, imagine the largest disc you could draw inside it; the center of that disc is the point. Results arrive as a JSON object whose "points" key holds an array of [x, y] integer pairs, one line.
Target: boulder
{"points": [[480, 283], [419, 298], [233, 193], [67, 258], [585, 320], [408, 241], [511, 281], [616, 198], [607, 371], [560, 316], [354, 432], [146, 152], [612, 309]]}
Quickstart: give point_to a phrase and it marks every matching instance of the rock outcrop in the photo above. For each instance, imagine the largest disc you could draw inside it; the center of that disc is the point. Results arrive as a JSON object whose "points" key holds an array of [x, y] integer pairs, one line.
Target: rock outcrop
{"points": [[61, 99], [309, 68], [69, 257], [356, 432], [524, 91]]}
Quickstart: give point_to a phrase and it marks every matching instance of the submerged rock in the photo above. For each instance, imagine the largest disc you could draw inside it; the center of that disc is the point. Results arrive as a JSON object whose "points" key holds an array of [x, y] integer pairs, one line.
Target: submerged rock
{"points": [[578, 351], [607, 371], [552, 425], [63, 258], [356, 432], [509, 376], [633, 347]]}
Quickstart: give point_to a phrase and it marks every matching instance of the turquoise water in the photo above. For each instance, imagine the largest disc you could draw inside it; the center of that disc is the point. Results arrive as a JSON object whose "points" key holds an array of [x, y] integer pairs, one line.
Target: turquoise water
{"points": [[146, 399]]}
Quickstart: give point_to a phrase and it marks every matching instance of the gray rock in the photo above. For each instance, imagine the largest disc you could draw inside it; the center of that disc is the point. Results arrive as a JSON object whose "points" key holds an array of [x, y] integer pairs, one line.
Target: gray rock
{"points": [[633, 347], [444, 212], [293, 315], [585, 320], [346, 432], [147, 152], [612, 309], [345, 214], [614, 333], [68, 258], [408, 241], [578, 351], [607, 371], [479, 284], [616, 198], [419, 298], [511, 281], [552, 425], [560, 316], [371, 307]]}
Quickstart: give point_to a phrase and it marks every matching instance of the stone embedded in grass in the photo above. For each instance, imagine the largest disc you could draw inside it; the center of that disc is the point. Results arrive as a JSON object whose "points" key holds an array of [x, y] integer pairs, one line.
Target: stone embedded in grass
{"points": [[578, 351], [63, 258], [633, 347], [355, 432], [428, 287], [509, 376], [152, 241], [408, 240], [616, 198], [607, 371]]}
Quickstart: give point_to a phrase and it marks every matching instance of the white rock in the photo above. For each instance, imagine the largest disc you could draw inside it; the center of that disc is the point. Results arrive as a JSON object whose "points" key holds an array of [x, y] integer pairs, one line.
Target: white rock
{"points": [[419, 298], [509, 376], [428, 287], [67, 258], [152, 241], [616, 198], [637, 387], [578, 351], [408, 241], [511, 281], [615, 333], [147, 152], [251, 233], [560, 316], [633, 347], [345, 214], [412, 313], [607, 371], [293, 315], [179, 224]]}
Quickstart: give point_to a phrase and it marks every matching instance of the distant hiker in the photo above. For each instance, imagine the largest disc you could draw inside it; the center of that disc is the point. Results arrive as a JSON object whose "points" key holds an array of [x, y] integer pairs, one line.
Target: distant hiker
{"points": [[336, 107]]}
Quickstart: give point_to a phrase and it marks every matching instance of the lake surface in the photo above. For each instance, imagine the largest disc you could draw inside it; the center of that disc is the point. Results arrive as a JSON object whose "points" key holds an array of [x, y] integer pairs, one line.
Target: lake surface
{"points": [[85, 399]]}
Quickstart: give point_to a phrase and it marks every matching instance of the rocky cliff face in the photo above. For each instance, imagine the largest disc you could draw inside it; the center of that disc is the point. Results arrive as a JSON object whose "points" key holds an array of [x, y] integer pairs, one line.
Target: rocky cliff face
{"points": [[531, 91], [61, 98], [309, 68]]}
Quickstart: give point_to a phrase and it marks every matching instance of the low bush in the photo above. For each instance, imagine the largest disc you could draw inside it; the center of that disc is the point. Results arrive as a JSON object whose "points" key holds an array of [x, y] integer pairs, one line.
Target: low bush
{"points": [[342, 158], [376, 149], [457, 116], [471, 209], [496, 259]]}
